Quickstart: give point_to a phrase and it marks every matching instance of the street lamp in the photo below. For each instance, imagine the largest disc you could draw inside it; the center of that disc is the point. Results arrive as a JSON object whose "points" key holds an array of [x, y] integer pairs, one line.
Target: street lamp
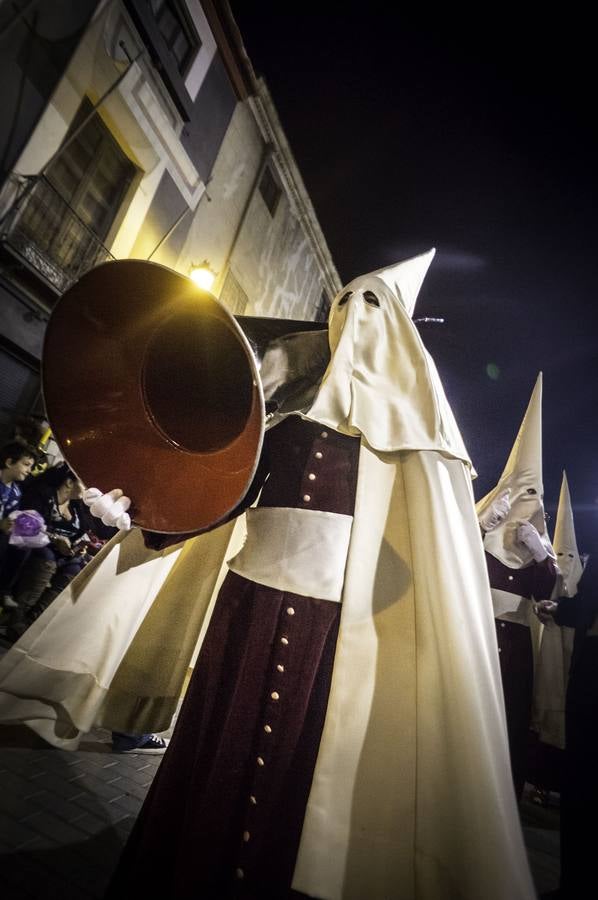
{"points": [[203, 275]]}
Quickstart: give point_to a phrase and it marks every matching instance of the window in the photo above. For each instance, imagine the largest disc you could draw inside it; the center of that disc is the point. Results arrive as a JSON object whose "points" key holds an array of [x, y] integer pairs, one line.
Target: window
{"points": [[168, 30], [270, 190], [178, 34], [70, 211], [233, 296], [92, 174], [19, 390]]}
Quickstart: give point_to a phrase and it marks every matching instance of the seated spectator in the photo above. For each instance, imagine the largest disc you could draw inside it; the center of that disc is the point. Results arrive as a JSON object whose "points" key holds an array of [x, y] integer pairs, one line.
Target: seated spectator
{"points": [[16, 462], [49, 569]]}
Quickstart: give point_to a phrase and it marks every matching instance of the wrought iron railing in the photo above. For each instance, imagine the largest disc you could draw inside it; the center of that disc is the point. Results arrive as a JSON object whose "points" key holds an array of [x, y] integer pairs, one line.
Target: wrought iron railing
{"points": [[47, 232]]}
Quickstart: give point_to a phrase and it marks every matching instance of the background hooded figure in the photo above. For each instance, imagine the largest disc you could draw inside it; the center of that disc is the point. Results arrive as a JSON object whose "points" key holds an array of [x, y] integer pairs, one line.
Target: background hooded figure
{"points": [[522, 569]]}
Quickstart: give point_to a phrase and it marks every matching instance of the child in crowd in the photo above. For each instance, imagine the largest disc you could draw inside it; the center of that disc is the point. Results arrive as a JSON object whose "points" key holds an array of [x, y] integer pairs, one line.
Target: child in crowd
{"points": [[49, 569], [16, 461]]}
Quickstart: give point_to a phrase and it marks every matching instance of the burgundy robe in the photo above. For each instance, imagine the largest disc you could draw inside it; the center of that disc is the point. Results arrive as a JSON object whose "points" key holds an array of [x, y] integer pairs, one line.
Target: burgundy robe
{"points": [[224, 815]]}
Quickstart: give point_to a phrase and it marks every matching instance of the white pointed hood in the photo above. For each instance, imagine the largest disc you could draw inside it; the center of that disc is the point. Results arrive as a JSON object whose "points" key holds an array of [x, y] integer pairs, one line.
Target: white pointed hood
{"points": [[565, 545], [381, 383], [405, 278], [522, 476]]}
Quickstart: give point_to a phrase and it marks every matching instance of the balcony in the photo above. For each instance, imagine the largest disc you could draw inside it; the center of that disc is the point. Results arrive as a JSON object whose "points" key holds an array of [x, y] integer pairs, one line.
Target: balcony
{"points": [[44, 231]]}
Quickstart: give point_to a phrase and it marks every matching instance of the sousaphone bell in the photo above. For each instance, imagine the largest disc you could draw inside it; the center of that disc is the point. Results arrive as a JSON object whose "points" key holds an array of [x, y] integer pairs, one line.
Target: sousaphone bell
{"points": [[151, 385]]}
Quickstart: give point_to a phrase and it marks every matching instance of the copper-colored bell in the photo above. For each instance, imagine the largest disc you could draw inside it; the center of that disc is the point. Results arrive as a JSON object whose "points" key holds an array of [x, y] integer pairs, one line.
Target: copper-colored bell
{"points": [[151, 386]]}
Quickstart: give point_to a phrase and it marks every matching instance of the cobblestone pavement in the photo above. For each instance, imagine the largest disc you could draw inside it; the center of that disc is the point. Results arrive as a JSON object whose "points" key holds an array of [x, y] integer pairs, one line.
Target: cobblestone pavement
{"points": [[64, 817], [541, 833]]}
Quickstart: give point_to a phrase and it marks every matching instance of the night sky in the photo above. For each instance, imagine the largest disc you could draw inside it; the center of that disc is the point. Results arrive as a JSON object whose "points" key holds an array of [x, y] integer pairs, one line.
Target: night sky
{"points": [[476, 136]]}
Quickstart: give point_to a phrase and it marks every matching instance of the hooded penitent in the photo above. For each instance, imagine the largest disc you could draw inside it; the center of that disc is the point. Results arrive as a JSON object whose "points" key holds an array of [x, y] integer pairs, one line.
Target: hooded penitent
{"points": [[381, 383], [522, 478], [521, 570], [413, 751], [411, 793], [556, 646], [565, 545]]}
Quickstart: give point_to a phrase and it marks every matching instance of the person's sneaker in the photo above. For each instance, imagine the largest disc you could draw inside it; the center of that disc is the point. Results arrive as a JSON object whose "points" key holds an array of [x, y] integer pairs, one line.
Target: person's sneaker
{"points": [[8, 602], [143, 743]]}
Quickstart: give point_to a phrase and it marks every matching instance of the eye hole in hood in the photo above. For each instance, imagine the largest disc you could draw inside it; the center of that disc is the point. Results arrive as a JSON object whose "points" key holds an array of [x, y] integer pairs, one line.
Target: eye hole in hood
{"points": [[344, 298], [371, 298]]}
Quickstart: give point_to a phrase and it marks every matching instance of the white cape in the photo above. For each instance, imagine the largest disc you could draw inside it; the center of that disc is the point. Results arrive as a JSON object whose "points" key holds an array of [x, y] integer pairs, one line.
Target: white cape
{"points": [[550, 683], [115, 646], [412, 797]]}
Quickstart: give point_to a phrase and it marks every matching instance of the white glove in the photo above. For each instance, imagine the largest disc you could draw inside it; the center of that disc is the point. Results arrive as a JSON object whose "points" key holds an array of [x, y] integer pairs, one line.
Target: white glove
{"points": [[528, 535], [496, 513], [111, 508]]}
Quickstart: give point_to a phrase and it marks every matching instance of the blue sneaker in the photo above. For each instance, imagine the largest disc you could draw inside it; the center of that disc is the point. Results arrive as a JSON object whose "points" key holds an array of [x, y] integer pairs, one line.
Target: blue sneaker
{"points": [[139, 743]]}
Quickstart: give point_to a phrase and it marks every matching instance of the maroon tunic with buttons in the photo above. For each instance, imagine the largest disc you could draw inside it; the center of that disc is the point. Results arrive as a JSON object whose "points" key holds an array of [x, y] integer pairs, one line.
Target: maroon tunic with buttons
{"points": [[224, 815], [535, 581]]}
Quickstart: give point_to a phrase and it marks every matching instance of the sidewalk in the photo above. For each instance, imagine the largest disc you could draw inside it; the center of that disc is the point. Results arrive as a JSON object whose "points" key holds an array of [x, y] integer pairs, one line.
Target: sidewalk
{"points": [[64, 817]]}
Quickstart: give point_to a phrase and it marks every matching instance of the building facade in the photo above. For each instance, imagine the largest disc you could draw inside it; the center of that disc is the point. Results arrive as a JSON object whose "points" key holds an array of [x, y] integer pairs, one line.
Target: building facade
{"points": [[138, 129]]}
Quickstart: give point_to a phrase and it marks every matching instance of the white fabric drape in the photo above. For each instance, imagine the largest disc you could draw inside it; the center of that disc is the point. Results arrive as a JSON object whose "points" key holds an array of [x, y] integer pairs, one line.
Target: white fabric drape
{"points": [[412, 797], [113, 649]]}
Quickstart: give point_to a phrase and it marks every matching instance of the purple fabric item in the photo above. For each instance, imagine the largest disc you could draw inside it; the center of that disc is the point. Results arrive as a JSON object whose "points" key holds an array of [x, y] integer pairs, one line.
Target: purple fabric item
{"points": [[28, 530], [28, 523]]}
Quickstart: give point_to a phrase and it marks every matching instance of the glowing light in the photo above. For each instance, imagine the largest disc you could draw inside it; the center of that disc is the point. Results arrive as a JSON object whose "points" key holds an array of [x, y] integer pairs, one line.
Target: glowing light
{"points": [[492, 371], [203, 276]]}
